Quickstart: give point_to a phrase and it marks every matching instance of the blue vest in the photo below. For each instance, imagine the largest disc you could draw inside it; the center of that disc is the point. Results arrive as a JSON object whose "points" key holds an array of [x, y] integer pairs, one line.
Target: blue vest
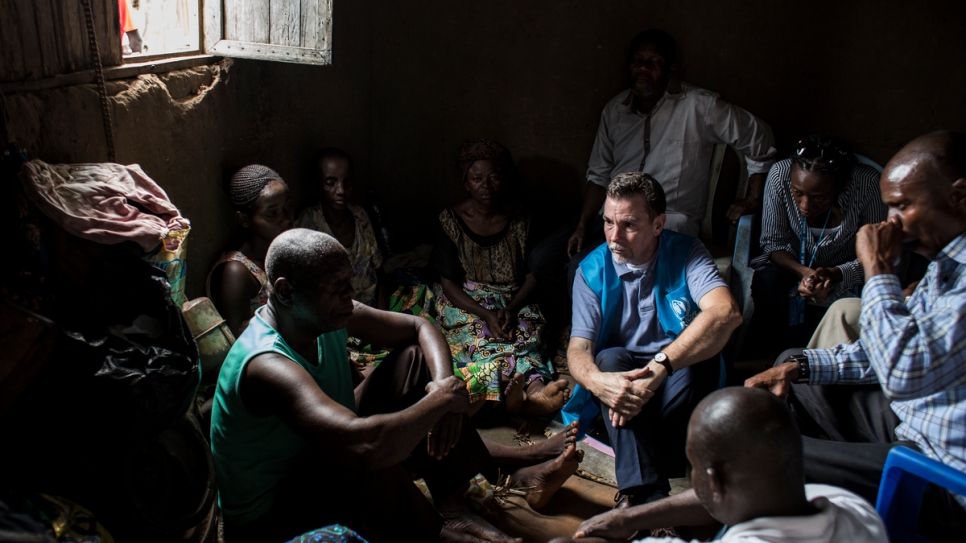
{"points": [[675, 307]]}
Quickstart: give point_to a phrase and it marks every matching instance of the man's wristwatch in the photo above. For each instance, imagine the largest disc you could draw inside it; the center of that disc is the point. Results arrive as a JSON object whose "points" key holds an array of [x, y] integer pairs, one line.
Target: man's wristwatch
{"points": [[663, 360], [804, 371]]}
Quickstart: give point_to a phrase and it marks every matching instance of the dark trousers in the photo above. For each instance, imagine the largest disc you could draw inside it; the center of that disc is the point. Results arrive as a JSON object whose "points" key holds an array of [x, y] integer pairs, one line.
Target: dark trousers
{"points": [[650, 448], [769, 325], [847, 432], [379, 504], [550, 265]]}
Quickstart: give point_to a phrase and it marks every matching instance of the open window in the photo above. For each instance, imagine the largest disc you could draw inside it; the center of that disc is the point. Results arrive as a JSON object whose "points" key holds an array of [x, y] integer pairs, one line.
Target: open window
{"points": [[296, 31]]}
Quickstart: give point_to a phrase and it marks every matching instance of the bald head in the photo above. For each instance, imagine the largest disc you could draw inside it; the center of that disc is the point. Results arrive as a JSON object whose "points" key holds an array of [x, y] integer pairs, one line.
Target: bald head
{"points": [[746, 433], [940, 155], [924, 187], [303, 256]]}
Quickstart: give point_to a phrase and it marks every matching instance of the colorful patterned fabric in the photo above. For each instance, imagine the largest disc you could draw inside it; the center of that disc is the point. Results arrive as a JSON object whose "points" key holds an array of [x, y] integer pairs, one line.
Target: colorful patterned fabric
{"points": [[483, 360], [491, 269], [416, 300], [364, 254], [259, 299], [335, 533]]}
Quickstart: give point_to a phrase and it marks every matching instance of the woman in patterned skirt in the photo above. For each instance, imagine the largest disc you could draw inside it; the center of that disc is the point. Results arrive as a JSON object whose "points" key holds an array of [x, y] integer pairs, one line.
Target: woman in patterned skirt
{"points": [[483, 307]]}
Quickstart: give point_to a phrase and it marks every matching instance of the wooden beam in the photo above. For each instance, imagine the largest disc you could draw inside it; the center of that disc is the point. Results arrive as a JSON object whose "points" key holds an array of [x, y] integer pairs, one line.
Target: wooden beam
{"points": [[125, 71]]}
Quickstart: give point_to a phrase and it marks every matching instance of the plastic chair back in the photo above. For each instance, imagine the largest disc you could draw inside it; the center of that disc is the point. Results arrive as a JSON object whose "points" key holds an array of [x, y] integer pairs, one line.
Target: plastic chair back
{"points": [[904, 480]]}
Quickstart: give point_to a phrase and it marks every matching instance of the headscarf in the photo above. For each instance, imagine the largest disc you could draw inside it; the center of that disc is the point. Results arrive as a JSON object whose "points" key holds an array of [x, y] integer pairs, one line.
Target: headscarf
{"points": [[247, 184], [483, 149]]}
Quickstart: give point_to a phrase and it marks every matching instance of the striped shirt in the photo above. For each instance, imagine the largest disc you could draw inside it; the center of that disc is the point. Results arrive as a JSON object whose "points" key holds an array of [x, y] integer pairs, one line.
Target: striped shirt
{"points": [[781, 223], [916, 351]]}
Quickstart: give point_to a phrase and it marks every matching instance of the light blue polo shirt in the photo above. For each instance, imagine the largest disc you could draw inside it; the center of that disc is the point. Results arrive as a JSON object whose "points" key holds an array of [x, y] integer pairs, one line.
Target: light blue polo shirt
{"points": [[638, 329]]}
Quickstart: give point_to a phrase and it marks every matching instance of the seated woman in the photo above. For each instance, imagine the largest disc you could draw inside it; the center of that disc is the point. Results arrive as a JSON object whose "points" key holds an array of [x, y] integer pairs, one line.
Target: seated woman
{"points": [[334, 215], [237, 284], [815, 203], [482, 302]]}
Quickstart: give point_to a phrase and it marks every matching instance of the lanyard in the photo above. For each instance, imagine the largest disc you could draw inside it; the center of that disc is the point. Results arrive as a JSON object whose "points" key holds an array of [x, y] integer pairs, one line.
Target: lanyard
{"points": [[803, 238]]}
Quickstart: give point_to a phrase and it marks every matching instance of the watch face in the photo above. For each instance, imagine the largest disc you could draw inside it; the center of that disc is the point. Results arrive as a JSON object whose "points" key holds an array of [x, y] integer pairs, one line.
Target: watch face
{"points": [[660, 357]]}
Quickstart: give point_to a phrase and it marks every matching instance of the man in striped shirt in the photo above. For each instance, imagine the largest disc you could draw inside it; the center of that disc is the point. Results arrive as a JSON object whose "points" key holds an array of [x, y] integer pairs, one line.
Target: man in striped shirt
{"points": [[914, 352]]}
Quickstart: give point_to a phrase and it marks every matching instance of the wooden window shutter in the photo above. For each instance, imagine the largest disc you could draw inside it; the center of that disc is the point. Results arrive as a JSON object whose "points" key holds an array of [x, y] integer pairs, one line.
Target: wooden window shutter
{"points": [[298, 31]]}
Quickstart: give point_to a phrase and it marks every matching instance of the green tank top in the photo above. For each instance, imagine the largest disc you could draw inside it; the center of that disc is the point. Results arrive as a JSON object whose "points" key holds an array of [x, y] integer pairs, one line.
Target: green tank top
{"points": [[252, 454]]}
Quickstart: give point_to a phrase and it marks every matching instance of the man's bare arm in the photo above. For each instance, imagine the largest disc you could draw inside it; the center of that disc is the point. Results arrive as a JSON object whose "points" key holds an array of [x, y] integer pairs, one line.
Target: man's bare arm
{"points": [[274, 385], [391, 329], [381, 327], [703, 338], [710, 330], [682, 509], [616, 390]]}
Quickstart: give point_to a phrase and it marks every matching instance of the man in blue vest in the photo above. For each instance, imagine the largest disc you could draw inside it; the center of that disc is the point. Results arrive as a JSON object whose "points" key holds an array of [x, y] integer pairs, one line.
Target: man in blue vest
{"points": [[650, 314]]}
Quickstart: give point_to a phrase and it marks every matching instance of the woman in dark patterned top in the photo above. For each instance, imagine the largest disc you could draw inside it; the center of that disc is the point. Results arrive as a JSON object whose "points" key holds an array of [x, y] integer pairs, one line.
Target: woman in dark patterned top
{"points": [[815, 203], [494, 331]]}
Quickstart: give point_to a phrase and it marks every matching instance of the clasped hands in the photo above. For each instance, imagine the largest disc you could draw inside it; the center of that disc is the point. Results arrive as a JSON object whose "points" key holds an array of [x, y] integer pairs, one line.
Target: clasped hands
{"points": [[625, 393], [502, 323], [816, 286]]}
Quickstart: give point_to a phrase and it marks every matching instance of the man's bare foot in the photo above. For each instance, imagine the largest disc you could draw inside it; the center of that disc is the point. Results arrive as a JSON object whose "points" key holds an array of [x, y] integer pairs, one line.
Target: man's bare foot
{"points": [[513, 396], [511, 457], [459, 519], [545, 479], [542, 399]]}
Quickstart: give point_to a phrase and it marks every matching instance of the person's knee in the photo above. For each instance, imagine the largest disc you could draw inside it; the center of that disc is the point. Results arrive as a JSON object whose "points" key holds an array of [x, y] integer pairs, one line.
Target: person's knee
{"points": [[614, 359], [765, 280]]}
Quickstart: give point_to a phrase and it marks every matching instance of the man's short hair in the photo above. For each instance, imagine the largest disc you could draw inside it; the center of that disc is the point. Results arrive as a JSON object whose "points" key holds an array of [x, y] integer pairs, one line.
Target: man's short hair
{"points": [[301, 256], [749, 430], [630, 184], [661, 40]]}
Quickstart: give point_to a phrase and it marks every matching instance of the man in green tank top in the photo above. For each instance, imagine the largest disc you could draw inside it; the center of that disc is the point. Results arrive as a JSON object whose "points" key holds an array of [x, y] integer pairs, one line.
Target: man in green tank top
{"points": [[300, 441]]}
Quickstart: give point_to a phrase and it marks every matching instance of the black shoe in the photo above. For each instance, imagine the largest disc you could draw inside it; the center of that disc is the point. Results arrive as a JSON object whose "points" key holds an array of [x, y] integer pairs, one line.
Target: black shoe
{"points": [[623, 501]]}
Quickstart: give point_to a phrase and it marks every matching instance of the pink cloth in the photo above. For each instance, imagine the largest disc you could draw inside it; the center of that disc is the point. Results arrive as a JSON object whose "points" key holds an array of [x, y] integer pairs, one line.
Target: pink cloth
{"points": [[94, 201]]}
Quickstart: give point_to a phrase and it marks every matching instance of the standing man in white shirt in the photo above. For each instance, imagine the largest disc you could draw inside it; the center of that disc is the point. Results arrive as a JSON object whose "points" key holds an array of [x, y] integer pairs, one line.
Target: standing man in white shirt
{"points": [[667, 129]]}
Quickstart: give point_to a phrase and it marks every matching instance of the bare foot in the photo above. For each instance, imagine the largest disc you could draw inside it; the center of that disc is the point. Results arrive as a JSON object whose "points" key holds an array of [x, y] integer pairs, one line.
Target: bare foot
{"points": [[459, 519], [545, 479], [542, 399], [513, 397], [554, 445]]}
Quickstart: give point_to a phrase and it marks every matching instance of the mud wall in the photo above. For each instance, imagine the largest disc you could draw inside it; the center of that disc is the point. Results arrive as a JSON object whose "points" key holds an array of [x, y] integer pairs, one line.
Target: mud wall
{"points": [[188, 128]]}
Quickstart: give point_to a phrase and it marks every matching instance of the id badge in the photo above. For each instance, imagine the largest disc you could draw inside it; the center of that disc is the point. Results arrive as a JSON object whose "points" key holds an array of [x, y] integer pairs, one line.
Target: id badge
{"points": [[796, 311]]}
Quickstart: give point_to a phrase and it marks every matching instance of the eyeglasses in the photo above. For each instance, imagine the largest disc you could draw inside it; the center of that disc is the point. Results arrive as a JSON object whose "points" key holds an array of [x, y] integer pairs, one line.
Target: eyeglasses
{"points": [[826, 149]]}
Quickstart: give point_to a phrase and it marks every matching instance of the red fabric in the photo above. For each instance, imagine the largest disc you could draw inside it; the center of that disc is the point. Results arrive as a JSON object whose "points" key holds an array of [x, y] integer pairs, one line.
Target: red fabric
{"points": [[124, 14]]}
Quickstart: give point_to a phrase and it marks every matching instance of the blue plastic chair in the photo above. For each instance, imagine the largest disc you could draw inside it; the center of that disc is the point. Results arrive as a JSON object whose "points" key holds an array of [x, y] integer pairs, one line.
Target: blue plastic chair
{"points": [[904, 480]]}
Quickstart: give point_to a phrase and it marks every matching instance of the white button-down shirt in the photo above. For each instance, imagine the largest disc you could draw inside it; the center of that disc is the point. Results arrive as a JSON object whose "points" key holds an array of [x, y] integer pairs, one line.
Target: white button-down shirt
{"points": [[679, 134]]}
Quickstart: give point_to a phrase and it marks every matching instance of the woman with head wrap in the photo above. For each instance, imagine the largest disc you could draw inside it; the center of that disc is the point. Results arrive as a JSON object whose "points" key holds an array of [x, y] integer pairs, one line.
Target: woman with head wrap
{"points": [[237, 284], [483, 309]]}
